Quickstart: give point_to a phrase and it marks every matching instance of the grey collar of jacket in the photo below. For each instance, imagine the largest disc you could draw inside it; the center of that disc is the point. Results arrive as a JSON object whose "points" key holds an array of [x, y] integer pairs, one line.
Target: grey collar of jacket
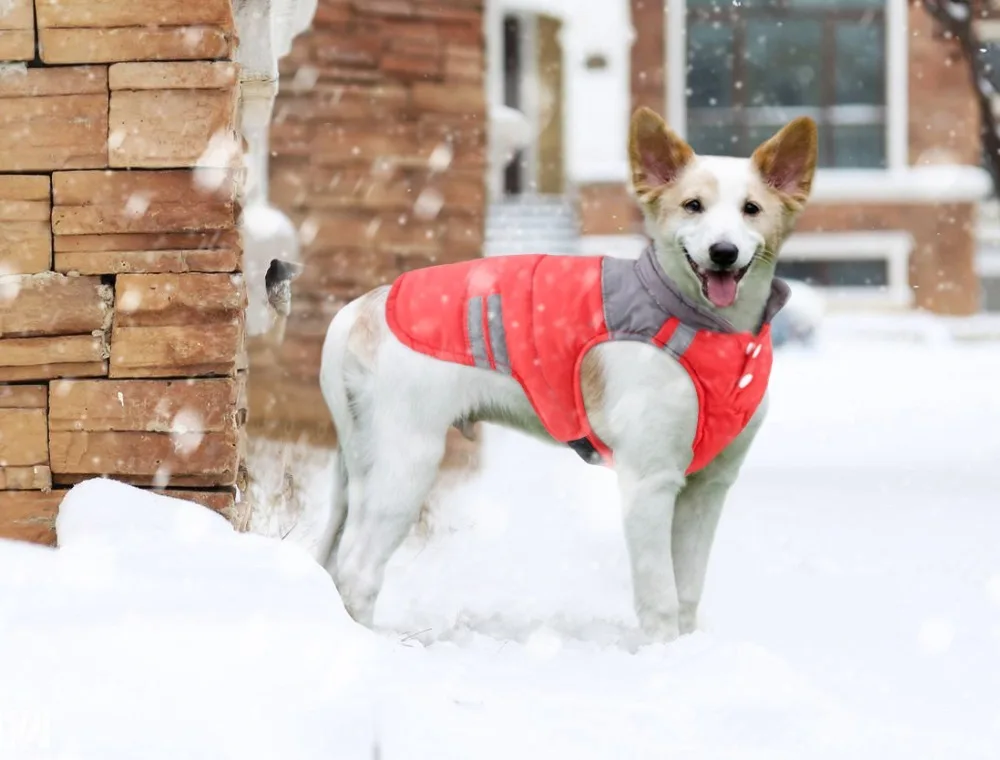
{"points": [[668, 296]]}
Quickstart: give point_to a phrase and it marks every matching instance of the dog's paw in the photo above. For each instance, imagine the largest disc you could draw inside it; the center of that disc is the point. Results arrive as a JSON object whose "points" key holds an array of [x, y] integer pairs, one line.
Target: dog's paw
{"points": [[688, 618], [659, 628]]}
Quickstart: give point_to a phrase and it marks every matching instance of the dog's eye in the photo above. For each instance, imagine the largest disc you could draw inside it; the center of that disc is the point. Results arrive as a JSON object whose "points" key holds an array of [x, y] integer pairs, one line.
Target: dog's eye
{"points": [[751, 209], [693, 206]]}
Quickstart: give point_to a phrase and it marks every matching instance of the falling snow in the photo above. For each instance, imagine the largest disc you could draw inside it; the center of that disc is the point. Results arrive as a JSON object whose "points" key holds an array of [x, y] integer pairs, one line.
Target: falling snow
{"points": [[853, 603]]}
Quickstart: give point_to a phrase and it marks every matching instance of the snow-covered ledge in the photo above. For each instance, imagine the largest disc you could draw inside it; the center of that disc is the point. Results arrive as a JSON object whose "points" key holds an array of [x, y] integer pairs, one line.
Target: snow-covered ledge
{"points": [[266, 29], [941, 183]]}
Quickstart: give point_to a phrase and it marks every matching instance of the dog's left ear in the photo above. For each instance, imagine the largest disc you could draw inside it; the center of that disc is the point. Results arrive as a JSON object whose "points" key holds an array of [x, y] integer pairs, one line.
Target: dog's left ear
{"points": [[787, 162], [656, 153]]}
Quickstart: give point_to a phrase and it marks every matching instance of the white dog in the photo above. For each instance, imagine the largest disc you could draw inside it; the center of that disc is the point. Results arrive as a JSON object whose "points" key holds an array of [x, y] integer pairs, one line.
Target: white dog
{"points": [[656, 363]]}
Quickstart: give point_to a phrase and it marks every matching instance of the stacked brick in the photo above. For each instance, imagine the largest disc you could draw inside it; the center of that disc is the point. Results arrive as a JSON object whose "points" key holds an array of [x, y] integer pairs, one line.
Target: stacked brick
{"points": [[379, 156], [121, 298]]}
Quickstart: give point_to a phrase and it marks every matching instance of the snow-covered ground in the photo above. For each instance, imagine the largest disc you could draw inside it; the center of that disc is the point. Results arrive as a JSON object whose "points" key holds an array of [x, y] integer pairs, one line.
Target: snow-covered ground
{"points": [[852, 608]]}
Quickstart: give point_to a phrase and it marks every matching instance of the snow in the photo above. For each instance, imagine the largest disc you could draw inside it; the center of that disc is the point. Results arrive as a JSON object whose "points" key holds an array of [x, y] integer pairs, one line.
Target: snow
{"points": [[852, 605], [155, 631], [933, 183], [958, 10]]}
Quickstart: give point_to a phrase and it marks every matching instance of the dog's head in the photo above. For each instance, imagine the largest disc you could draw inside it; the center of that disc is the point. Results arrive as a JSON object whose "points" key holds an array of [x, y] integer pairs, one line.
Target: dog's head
{"points": [[719, 221]]}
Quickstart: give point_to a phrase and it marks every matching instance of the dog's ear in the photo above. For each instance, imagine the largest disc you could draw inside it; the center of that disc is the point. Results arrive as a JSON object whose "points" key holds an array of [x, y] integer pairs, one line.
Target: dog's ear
{"points": [[656, 153], [787, 162]]}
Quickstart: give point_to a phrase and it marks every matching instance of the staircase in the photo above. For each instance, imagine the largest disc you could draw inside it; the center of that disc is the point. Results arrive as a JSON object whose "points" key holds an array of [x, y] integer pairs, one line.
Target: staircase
{"points": [[532, 224]]}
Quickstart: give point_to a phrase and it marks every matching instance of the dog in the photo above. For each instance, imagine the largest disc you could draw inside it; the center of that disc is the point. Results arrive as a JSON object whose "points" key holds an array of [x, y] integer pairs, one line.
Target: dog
{"points": [[613, 370]]}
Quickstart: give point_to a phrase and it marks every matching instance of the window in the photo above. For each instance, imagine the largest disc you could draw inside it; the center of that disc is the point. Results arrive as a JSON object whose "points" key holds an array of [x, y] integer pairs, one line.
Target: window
{"points": [[834, 273], [851, 267], [755, 64]]}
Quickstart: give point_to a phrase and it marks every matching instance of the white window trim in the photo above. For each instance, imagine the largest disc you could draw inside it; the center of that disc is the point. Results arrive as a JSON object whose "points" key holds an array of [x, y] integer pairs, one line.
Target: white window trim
{"points": [[897, 80], [988, 255], [893, 246]]}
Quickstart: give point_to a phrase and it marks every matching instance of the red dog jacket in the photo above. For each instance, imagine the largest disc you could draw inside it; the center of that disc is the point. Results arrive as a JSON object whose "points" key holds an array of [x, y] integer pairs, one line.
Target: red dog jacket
{"points": [[535, 317]]}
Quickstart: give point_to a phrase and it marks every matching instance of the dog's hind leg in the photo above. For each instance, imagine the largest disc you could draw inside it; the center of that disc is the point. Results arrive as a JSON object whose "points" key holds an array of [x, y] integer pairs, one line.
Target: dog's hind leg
{"points": [[334, 382], [338, 514], [405, 455]]}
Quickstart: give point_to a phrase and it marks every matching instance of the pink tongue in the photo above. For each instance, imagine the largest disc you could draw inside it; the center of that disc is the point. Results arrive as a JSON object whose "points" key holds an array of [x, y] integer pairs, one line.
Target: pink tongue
{"points": [[721, 288]]}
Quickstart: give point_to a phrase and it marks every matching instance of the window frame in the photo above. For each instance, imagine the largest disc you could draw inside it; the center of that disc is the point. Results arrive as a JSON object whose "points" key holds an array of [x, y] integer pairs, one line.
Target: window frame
{"points": [[896, 21]]}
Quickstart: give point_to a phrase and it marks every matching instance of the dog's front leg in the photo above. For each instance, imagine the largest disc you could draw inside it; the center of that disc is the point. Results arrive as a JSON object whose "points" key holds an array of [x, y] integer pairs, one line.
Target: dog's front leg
{"points": [[648, 510], [696, 516]]}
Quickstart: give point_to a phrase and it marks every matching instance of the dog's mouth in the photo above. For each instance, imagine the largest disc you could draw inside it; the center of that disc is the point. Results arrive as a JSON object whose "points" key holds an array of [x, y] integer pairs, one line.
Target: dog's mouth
{"points": [[719, 286]]}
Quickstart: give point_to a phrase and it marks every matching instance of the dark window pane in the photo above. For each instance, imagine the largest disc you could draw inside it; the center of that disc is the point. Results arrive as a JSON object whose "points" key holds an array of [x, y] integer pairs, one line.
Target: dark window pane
{"points": [[714, 139], [783, 62], [859, 146], [710, 64], [808, 62], [761, 133], [837, 273], [860, 69]]}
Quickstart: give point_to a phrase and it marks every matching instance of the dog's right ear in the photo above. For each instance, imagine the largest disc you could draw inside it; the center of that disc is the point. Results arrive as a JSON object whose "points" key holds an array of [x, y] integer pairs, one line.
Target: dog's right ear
{"points": [[656, 153]]}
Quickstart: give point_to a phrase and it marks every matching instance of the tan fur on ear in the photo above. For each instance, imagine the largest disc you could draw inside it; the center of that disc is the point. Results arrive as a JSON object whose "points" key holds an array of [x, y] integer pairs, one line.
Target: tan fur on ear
{"points": [[657, 155], [787, 162]]}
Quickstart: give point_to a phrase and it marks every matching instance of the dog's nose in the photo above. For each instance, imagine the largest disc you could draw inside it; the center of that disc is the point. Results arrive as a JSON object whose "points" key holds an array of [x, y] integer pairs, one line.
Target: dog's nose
{"points": [[723, 254]]}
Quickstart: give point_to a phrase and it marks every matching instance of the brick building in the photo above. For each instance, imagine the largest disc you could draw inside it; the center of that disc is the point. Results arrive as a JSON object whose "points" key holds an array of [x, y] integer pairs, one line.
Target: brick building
{"points": [[893, 218]]}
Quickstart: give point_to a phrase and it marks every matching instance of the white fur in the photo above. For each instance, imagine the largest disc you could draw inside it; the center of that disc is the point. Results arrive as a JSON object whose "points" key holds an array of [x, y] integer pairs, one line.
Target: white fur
{"points": [[723, 220], [393, 407]]}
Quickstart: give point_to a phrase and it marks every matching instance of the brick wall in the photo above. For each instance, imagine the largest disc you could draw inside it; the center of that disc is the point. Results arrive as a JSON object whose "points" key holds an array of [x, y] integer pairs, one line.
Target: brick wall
{"points": [[649, 55], [379, 156], [941, 265], [944, 120], [121, 299]]}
